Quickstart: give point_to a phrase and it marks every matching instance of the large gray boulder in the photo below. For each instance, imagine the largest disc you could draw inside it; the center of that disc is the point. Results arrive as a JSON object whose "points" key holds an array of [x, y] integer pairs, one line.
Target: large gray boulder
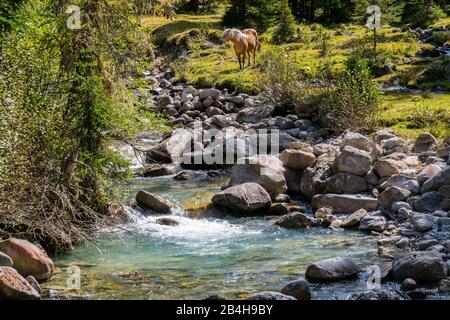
{"points": [[420, 266], [425, 142], [358, 141], [332, 269], [266, 170], [247, 198], [353, 219], [313, 178], [353, 161], [297, 220], [153, 202], [298, 289], [372, 222], [14, 287], [388, 167], [344, 182], [428, 202], [379, 294], [253, 114], [391, 195], [344, 203], [437, 181], [402, 181], [297, 159]]}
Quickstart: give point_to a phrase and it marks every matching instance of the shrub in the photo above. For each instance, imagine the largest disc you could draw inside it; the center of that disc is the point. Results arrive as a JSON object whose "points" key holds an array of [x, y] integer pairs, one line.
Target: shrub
{"points": [[352, 102], [418, 14], [285, 29]]}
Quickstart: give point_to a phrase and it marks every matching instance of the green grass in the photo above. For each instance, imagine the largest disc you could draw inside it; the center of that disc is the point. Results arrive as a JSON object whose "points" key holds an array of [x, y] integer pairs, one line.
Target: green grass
{"points": [[218, 66], [412, 114]]}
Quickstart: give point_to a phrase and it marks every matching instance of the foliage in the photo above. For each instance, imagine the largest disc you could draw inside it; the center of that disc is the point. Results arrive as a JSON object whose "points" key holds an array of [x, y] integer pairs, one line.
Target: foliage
{"points": [[63, 101], [285, 28], [257, 14], [419, 13], [352, 101]]}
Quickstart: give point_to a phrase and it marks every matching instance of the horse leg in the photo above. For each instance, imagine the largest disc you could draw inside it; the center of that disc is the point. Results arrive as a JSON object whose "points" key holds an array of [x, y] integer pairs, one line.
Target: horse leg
{"points": [[239, 59], [254, 56], [243, 60], [249, 59]]}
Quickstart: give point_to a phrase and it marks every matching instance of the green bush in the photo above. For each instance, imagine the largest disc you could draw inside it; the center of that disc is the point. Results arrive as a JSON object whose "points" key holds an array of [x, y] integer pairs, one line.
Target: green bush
{"points": [[352, 102], [285, 29]]}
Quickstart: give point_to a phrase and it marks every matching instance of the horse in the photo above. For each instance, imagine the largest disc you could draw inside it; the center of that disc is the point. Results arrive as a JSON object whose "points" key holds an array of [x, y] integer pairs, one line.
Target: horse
{"points": [[245, 42]]}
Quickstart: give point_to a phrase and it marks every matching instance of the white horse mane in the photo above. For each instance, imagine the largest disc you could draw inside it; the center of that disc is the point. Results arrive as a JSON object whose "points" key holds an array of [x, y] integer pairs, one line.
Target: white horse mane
{"points": [[233, 34]]}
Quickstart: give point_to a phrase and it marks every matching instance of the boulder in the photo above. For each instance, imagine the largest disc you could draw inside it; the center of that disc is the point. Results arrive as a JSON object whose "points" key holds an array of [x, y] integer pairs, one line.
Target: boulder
{"points": [[172, 149], [297, 159], [424, 143], [387, 167], [313, 178], [437, 181], [402, 181], [5, 260], [34, 283], [344, 182], [185, 175], [247, 198], [28, 259], [323, 148], [428, 202], [297, 220], [153, 202], [354, 219], [155, 170], [321, 213], [298, 289], [344, 203], [392, 194], [420, 266], [14, 287], [270, 295], [353, 161], [428, 172], [358, 141], [266, 170], [422, 222], [372, 222], [253, 114], [332, 269], [213, 93]]}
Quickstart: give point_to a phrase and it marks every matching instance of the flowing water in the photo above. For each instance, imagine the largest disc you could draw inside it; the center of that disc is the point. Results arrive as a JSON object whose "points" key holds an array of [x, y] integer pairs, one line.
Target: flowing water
{"points": [[231, 257]]}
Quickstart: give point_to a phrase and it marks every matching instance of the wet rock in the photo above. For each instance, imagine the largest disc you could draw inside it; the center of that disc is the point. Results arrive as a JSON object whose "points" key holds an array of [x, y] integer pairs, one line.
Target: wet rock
{"points": [[297, 220], [428, 202], [34, 283], [408, 284], [5, 260], [402, 181], [422, 222], [281, 198], [270, 295], [378, 294], [344, 182], [245, 198], [297, 159], [279, 209], [372, 222], [153, 202], [353, 161], [396, 206], [420, 266], [14, 287], [298, 289], [265, 170], [445, 190], [168, 221], [28, 259], [444, 285], [443, 153], [332, 269], [391, 195], [354, 219], [155, 170], [425, 142], [344, 203], [388, 167], [172, 149]]}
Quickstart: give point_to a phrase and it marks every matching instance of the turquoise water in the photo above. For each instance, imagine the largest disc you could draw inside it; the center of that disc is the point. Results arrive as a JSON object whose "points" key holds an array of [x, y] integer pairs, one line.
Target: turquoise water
{"points": [[231, 257]]}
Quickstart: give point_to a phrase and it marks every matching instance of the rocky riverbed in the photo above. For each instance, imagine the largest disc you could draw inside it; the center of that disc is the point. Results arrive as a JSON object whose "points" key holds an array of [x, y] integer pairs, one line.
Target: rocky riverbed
{"points": [[393, 191]]}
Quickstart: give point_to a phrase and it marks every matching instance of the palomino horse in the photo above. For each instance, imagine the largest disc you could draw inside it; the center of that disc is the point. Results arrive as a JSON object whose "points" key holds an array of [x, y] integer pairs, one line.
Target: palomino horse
{"points": [[245, 43]]}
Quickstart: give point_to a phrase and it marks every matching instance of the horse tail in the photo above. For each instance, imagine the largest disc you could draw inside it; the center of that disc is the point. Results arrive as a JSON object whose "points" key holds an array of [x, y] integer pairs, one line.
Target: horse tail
{"points": [[258, 43]]}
